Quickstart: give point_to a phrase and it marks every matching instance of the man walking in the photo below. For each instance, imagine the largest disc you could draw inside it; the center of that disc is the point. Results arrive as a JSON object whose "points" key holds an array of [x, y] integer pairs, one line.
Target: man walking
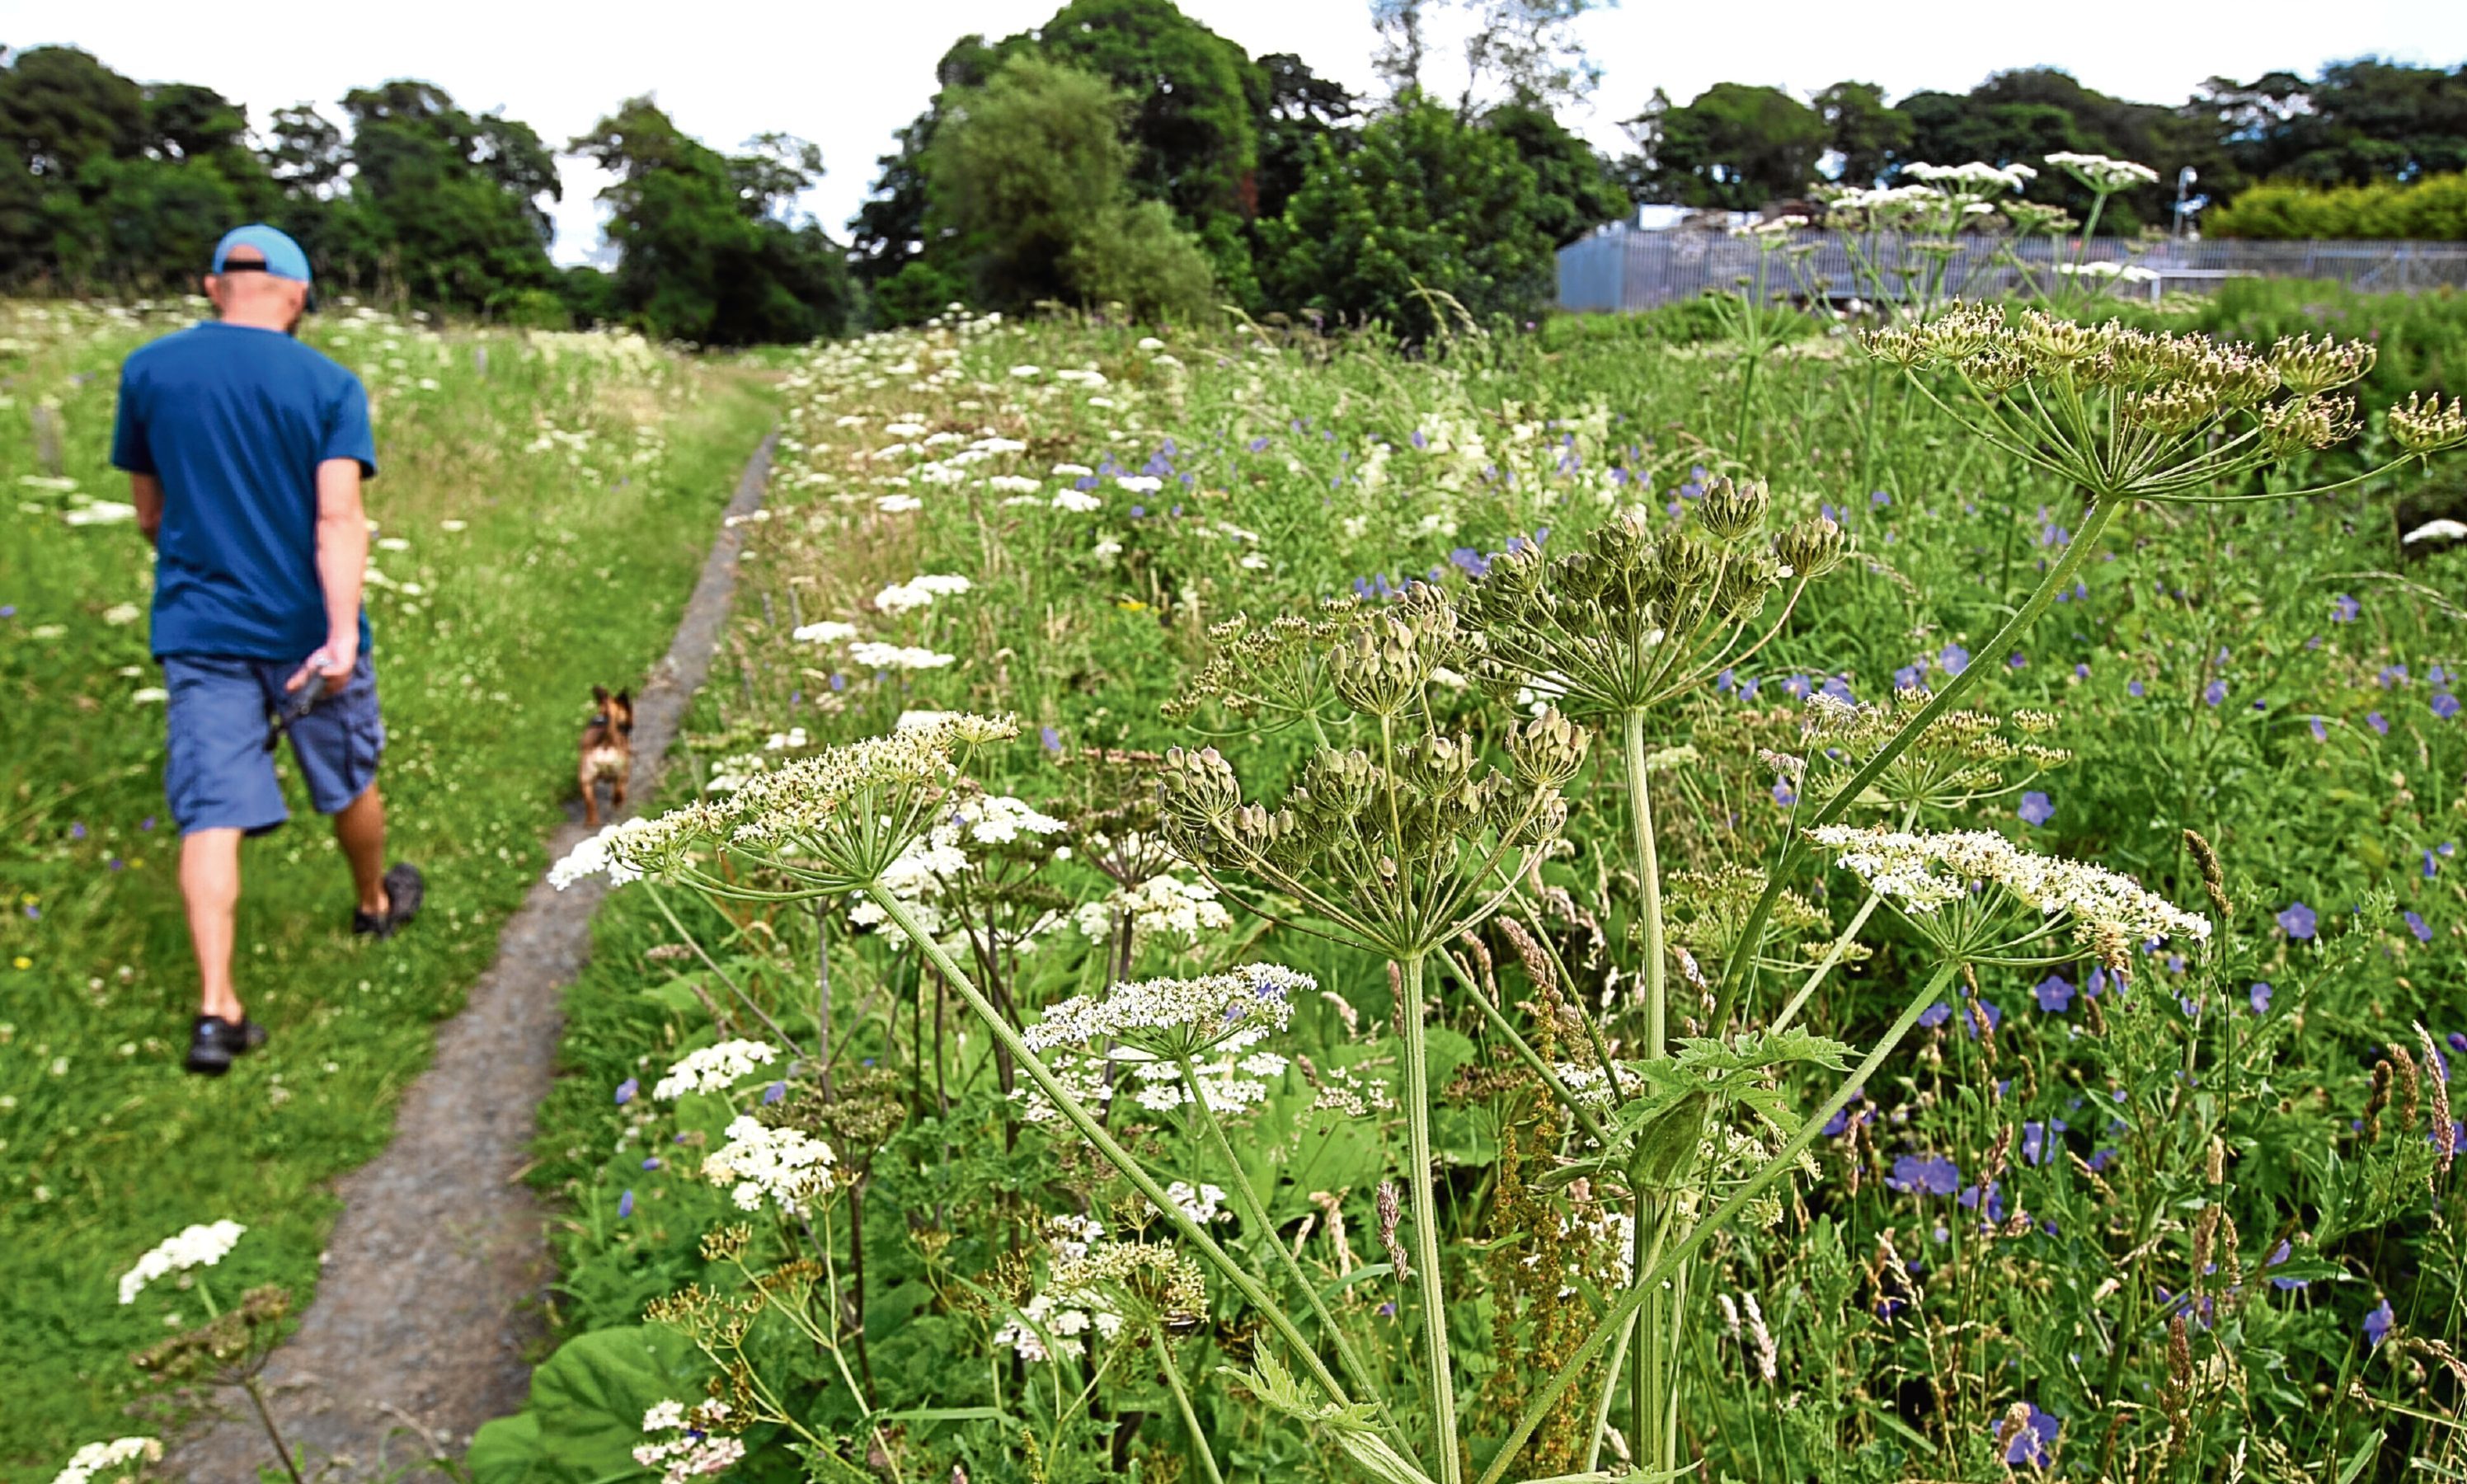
{"points": [[245, 451]]}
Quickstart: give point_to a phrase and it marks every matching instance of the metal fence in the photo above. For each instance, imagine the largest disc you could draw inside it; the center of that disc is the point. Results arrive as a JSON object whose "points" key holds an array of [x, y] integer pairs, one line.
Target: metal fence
{"points": [[1623, 268]]}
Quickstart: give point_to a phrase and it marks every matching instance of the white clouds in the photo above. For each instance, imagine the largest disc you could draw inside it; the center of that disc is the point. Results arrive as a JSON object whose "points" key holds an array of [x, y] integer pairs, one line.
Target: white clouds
{"points": [[847, 75]]}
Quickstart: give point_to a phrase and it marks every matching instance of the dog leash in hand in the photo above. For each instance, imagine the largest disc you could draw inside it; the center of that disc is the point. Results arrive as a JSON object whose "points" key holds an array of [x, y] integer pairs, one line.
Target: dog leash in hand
{"points": [[278, 719]]}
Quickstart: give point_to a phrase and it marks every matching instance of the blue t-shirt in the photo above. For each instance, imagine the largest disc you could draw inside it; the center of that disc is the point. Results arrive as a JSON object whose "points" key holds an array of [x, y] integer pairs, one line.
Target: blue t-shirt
{"points": [[235, 420]]}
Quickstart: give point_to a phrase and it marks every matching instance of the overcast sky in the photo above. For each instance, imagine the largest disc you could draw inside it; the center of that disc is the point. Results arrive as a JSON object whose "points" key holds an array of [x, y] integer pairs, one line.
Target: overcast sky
{"points": [[845, 75]]}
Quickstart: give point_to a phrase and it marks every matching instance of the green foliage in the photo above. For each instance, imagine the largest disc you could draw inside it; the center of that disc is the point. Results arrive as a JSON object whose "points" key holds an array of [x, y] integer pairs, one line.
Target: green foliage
{"points": [[586, 1408], [1734, 146], [1425, 205], [1031, 175], [1572, 187], [702, 253], [499, 548], [2433, 208]]}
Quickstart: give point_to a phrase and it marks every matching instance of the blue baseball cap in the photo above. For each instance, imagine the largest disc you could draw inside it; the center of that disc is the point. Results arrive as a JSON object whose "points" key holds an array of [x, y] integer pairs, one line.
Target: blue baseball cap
{"points": [[283, 259]]}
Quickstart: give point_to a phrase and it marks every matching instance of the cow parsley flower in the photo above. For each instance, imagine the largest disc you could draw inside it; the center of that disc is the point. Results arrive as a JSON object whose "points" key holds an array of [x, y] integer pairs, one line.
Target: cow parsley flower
{"points": [[872, 654], [787, 1166], [919, 592], [713, 1068], [1168, 1018], [1161, 904], [96, 1459], [1930, 875], [697, 1450], [194, 1247], [830, 631], [1101, 1291], [1077, 502]]}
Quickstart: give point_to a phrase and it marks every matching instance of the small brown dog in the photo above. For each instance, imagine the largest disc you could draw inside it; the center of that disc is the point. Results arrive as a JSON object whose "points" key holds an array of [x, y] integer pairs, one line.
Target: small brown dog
{"points": [[607, 753]]}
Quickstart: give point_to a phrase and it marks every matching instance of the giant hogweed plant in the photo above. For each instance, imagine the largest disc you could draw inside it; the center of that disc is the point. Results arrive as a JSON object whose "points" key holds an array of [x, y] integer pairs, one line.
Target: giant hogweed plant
{"points": [[1402, 833]]}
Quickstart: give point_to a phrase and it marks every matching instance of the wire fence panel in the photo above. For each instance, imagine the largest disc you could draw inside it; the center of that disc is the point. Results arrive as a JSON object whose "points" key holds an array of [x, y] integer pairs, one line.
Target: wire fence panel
{"points": [[1625, 269]]}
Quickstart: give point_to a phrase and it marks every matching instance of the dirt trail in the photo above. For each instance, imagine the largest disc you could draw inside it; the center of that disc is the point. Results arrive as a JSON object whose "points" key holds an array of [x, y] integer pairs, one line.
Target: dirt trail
{"points": [[427, 1305]]}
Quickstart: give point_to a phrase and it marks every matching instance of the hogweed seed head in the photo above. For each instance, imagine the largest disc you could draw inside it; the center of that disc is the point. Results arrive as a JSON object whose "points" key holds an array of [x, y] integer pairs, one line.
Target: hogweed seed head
{"points": [[1730, 509], [2428, 427], [2307, 367]]}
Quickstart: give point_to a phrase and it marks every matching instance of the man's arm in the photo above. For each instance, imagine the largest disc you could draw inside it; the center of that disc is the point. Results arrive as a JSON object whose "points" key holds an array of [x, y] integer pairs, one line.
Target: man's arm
{"points": [[146, 492], [342, 567]]}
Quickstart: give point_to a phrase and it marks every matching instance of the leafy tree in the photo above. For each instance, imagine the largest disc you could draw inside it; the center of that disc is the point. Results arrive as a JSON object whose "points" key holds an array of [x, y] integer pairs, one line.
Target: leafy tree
{"points": [[2362, 121], [1862, 129], [1574, 190], [59, 108], [1735, 145], [705, 252], [1426, 204], [1292, 108], [1030, 182]]}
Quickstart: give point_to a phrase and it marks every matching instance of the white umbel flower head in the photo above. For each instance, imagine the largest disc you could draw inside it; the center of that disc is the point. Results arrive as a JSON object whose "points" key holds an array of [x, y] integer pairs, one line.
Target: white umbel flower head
{"points": [[830, 631], [1922, 874], [196, 1246], [2102, 174], [1168, 1019], [785, 1166], [97, 1460], [713, 1068]]}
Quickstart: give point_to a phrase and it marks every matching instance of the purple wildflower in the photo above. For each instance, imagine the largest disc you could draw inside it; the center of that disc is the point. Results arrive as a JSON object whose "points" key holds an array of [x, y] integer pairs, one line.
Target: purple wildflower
{"points": [[2298, 920], [2345, 609], [1906, 678], [2444, 704], [2037, 808], [626, 1089], [2260, 997], [2416, 925], [2321, 733], [2378, 721], [1935, 1014], [1049, 739], [774, 1092], [2055, 994], [2133, 689], [2215, 691], [625, 1205], [1952, 659], [1782, 792], [2278, 1255], [1932, 1174], [2377, 1324]]}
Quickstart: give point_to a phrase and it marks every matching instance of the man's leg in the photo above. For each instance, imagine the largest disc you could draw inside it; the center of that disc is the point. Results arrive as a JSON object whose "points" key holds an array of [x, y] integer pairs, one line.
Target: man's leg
{"points": [[210, 886], [359, 827]]}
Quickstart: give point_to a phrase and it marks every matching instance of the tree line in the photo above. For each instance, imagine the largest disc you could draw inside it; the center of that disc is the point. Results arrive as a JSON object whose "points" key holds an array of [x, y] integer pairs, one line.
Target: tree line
{"points": [[1120, 152]]}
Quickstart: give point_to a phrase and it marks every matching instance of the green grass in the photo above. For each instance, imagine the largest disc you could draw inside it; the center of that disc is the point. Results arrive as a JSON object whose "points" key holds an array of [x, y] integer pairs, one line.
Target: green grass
{"points": [[586, 475], [1084, 623]]}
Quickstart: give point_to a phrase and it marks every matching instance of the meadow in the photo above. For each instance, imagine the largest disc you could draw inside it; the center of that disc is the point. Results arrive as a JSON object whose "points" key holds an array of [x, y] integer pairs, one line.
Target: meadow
{"points": [[543, 504], [1337, 961], [1237, 1027]]}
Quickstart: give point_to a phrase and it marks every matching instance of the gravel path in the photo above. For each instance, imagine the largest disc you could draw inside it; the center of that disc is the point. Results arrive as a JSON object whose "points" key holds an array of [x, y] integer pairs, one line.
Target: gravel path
{"points": [[427, 1307]]}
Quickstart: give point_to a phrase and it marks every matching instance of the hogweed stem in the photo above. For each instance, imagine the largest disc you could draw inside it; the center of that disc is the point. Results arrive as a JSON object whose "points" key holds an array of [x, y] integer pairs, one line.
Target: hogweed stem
{"points": [[1105, 1145], [1256, 1211], [1616, 1316], [1426, 1228], [1740, 967]]}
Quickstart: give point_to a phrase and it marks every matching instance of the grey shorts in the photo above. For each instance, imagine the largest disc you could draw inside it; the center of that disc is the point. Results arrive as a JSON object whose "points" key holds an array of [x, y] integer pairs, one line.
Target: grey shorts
{"points": [[220, 773]]}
